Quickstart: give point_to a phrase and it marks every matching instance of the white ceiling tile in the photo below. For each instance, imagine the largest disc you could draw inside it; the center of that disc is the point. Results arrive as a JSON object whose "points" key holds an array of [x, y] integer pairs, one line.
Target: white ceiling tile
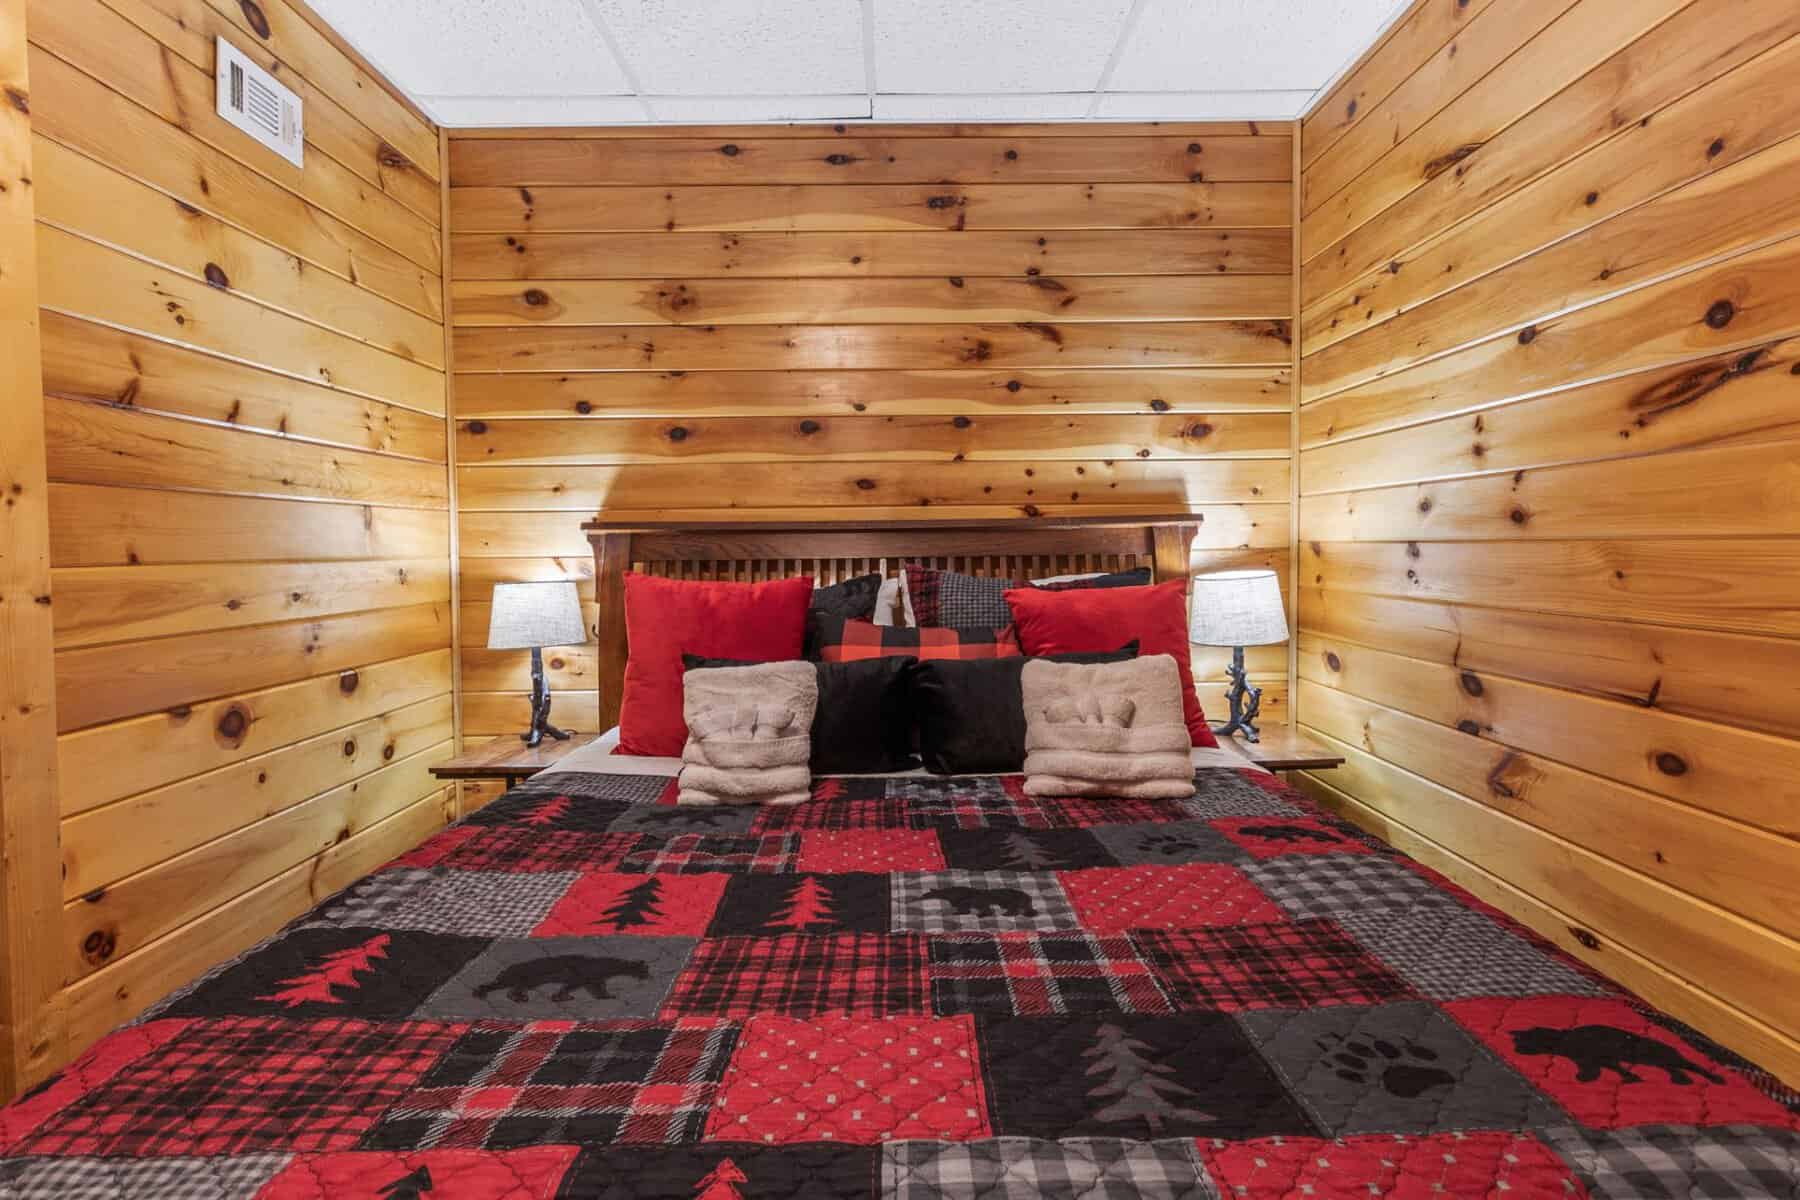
{"points": [[1202, 106], [1059, 106], [480, 47], [476, 111], [1244, 45], [733, 110], [953, 46], [739, 47]]}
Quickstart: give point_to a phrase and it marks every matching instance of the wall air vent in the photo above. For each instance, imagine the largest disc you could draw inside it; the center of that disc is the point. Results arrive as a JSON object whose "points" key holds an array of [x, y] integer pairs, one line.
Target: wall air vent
{"points": [[250, 98]]}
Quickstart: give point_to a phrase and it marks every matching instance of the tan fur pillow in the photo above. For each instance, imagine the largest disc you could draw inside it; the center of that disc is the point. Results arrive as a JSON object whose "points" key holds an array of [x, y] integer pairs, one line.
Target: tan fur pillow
{"points": [[1106, 729], [749, 734]]}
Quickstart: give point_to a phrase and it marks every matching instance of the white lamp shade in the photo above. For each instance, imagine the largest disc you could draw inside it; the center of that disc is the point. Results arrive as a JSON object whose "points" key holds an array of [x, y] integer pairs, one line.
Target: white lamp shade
{"points": [[1237, 608], [535, 614]]}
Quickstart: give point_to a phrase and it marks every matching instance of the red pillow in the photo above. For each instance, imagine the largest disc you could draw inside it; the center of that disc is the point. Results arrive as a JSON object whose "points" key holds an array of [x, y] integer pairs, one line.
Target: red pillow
{"points": [[1099, 619], [666, 618], [845, 640]]}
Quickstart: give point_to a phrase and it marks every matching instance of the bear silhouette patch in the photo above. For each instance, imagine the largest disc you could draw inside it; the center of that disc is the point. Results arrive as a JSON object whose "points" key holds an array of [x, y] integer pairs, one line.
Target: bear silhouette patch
{"points": [[1598, 1048], [567, 973], [967, 901], [1288, 833]]}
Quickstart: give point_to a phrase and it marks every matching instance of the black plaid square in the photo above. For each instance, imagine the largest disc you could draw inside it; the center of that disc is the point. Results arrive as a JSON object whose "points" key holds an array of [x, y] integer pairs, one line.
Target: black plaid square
{"points": [[244, 1084], [975, 802], [801, 975], [1245, 793], [1035, 974], [1682, 1162], [1079, 812], [526, 849], [693, 853], [1020, 1168], [1304, 964], [503, 1086]]}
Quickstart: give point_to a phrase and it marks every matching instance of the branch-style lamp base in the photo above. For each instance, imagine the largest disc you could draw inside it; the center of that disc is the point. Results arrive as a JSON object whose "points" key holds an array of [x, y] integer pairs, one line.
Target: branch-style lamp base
{"points": [[540, 705], [1243, 716]]}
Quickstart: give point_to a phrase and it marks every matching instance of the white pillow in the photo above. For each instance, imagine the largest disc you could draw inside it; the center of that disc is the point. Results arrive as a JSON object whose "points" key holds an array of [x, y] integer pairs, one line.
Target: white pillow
{"points": [[1070, 578], [889, 599]]}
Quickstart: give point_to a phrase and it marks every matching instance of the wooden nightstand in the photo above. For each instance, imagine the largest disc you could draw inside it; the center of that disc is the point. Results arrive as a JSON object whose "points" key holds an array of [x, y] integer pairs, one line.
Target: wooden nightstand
{"points": [[1284, 748], [508, 758]]}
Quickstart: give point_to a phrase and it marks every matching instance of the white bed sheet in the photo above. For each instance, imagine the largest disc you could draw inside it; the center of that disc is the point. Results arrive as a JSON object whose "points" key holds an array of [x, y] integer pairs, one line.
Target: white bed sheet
{"points": [[597, 757]]}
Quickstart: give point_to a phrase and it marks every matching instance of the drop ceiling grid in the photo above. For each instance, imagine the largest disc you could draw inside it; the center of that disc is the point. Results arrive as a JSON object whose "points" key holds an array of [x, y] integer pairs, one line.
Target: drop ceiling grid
{"points": [[572, 62]]}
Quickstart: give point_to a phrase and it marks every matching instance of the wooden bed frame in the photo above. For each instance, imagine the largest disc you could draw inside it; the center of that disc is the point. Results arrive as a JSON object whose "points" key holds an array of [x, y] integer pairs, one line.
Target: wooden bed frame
{"points": [[831, 551]]}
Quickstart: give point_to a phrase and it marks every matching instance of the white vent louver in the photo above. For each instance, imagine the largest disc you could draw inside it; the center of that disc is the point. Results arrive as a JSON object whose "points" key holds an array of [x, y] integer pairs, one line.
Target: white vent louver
{"points": [[250, 99]]}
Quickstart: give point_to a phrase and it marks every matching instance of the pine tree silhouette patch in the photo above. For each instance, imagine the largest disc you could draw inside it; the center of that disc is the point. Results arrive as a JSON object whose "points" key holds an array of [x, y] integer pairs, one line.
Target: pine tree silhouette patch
{"points": [[548, 813], [721, 1182], [1137, 1090], [408, 1187], [639, 905], [808, 907], [341, 969]]}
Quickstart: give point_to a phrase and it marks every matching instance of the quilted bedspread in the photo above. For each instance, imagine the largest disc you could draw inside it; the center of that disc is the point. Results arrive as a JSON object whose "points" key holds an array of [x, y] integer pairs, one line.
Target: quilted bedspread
{"points": [[911, 988]]}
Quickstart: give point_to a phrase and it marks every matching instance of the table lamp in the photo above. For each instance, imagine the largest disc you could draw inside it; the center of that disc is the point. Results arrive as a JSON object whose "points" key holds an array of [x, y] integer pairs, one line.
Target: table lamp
{"points": [[1238, 609], [530, 616]]}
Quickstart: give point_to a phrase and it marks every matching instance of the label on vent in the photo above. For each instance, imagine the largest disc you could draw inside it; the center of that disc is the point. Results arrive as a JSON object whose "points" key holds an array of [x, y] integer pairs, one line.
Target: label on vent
{"points": [[251, 99]]}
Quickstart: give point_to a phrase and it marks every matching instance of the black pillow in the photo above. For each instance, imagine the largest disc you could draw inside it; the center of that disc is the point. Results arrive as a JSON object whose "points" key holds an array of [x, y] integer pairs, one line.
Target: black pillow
{"points": [[853, 599], [863, 724], [971, 713]]}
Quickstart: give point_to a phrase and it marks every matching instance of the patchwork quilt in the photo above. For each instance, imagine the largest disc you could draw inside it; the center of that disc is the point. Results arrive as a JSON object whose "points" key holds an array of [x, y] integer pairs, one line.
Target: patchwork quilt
{"points": [[909, 988]]}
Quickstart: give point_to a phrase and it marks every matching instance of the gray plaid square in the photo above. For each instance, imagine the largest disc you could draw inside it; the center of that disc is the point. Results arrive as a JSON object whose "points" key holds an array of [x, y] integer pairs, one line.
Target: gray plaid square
{"points": [[1017, 1168], [1168, 843], [632, 789], [685, 818], [472, 903], [1220, 792], [224, 1178], [1454, 953], [980, 902], [973, 601], [1324, 885], [1683, 1162]]}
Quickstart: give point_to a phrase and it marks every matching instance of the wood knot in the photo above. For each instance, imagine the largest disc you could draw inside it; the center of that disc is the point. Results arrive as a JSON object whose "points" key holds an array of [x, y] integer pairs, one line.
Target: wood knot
{"points": [[840, 160], [349, 747], [392, 159], [1471, 683], [961, 422], [234, 724], [387, 751], [583, 407], [942, 202], [729, 150], [1013, 385], [1333, 661], [99, 945], [536, 297], [1350, 108], [254, 14], [1193, 147], [1528, 335], [1469, 727], [1012, 156], [678, 433], [1720, 314], [1158, 404], [1199, 429], [1518, 516], [1592, 199], [1032, 510], [1717, 148], [1412, 550], [19, 100], [1671, 764], [1425, 504], [216, 277], [477, 427], [956, 281], [348, 682], [1587, 939], [865, 485], [809, 427]]}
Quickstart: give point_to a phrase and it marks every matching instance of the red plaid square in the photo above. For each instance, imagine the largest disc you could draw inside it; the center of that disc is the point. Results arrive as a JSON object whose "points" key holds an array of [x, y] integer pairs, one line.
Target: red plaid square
{"points": [[644, 905], [1273, 837], [87, 1074], [1037, 974], [830, 808], [832, 852], [852, 1079], [1079, 812], [854, 641], [507, 1085], [801, 975], [747, 854], [432, 853], [1305, 964], [522, 849], [1188, 896], [247, 1083], [467, 1174]]}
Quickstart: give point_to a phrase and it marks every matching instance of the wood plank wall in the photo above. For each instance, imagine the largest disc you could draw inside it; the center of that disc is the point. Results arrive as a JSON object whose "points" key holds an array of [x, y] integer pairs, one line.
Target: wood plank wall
{"points": [[244, 366], [797, 321], [1549, 466]]}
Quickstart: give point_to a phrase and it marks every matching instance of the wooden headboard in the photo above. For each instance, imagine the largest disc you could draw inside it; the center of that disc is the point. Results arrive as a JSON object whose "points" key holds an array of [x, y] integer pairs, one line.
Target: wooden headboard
{"points": [[830, 551]]}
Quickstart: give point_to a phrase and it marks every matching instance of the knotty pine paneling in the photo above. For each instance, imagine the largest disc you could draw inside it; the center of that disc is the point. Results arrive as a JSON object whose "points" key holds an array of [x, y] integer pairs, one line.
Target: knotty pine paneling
{"points": [[1547, 556], [249, 519], [980, 321]]}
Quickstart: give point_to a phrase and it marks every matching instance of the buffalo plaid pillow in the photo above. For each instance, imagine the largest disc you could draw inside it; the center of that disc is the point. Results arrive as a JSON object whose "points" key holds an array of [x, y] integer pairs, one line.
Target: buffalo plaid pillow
{"points": [[852, 641], [950, 598]]}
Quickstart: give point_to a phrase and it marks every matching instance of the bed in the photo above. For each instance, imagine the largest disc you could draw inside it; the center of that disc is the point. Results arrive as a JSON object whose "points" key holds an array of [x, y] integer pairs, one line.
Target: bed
{"points": [[912, 986]]}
